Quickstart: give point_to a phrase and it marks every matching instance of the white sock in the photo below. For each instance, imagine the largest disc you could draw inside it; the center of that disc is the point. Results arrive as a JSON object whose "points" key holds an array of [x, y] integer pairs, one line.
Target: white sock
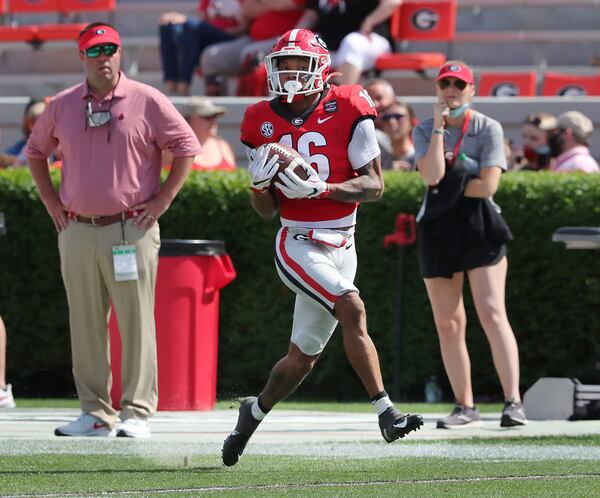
{"points": [[382, 404], [257, 413]]}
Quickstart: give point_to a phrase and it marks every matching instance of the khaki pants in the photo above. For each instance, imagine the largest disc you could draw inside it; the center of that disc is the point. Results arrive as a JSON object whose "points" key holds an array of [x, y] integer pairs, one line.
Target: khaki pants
{"points": [[88, 275]]}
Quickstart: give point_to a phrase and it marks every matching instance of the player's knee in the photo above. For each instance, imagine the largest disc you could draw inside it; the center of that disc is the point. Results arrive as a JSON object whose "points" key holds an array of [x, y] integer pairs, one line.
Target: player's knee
{"points": [[350, 308], [300, 363]]}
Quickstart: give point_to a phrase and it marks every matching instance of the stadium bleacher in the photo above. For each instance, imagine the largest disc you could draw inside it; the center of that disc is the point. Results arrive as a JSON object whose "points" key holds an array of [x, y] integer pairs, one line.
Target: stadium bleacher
{"points": [[497, 37]]}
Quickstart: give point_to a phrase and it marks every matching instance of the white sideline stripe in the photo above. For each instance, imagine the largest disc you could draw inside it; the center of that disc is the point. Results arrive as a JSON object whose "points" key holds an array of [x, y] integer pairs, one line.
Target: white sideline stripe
{"points": [[316, 485]]}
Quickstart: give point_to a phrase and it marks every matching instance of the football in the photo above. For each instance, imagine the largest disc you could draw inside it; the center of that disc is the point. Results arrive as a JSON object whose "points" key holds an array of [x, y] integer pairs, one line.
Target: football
{"points": [[288, 158]]}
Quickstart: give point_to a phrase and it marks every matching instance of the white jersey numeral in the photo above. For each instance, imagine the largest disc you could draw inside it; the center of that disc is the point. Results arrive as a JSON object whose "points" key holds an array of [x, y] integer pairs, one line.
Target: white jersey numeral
{"points": [[305, 141]]}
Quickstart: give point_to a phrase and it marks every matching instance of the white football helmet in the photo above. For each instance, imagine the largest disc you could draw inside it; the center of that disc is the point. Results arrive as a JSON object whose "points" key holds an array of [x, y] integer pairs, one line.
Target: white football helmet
{"points": [[298, 43]]}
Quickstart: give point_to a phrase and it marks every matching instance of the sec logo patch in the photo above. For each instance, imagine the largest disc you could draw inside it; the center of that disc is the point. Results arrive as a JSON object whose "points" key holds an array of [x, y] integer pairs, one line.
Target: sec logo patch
{"points": [[266, 129]]}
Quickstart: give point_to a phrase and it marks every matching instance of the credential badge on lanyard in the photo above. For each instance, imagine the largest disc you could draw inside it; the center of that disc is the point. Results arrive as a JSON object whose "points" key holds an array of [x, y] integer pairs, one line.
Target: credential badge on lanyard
{"points": [[124, 259]]}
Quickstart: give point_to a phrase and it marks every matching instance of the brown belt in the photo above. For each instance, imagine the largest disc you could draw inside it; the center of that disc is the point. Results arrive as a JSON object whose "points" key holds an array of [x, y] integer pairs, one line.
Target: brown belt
{"points": [[102, 221]]}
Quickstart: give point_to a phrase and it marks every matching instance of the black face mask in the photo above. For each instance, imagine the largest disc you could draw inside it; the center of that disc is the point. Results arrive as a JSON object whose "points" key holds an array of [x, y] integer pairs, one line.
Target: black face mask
{"points": [[555, 143]]}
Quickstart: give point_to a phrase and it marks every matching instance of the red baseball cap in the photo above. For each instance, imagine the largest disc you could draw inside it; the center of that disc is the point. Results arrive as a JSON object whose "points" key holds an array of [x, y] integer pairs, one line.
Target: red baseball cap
{"points": [[454, 70], [99, 35]]}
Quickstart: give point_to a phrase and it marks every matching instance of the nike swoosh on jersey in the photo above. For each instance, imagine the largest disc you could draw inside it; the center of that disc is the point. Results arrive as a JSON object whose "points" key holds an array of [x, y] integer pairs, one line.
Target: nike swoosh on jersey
{"points": [[322, 120]]}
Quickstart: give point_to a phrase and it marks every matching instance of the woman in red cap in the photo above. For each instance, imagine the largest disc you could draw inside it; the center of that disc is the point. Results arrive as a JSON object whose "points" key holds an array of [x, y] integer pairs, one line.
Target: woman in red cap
{"points": [[460, 157]]}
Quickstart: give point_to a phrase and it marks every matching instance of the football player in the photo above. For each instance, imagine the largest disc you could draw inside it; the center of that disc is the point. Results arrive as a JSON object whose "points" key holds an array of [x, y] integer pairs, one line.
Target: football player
{"points": [[332, 128]]}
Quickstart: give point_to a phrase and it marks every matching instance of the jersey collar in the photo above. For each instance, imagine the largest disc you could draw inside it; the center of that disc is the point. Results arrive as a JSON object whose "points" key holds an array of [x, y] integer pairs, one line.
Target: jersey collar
{"points": [[283, 111]]}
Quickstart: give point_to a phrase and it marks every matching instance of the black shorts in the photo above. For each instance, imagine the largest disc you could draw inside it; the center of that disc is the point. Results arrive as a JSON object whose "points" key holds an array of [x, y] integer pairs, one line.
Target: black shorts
{"points": [[434, 262]]}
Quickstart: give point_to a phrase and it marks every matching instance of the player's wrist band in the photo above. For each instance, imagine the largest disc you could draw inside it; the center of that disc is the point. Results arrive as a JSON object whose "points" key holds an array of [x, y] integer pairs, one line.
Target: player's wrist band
{"points": [[326, 192], [439, 131]]}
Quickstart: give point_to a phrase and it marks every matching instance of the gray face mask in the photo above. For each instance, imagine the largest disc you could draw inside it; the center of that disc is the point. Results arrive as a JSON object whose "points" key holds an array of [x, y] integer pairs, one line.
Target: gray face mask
{"points": [[459, 111]]}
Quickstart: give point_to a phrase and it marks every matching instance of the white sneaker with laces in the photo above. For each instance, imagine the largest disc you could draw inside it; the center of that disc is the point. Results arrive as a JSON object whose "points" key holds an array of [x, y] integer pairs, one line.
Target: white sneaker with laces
{"points": [[85, 425], [134, 427], [6, 397]]}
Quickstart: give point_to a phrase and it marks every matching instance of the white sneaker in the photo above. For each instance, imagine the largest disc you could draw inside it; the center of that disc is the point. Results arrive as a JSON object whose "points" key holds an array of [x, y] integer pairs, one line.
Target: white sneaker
{"points": [[86, 425], [6, 397], [134, 427]]}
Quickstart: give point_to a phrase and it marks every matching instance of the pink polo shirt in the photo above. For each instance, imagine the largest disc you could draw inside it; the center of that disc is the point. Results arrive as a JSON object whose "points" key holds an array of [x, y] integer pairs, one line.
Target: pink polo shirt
{"points": [[576, 159], [99, 177]]}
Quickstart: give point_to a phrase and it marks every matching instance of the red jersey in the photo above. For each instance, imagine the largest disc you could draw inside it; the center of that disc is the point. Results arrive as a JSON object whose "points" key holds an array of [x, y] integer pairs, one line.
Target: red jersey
{"points": [[321, 135]]}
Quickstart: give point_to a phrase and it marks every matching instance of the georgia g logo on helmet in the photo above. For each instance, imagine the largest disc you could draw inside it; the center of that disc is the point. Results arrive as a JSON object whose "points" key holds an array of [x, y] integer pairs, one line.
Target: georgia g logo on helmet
{"points": [[321, 42]]}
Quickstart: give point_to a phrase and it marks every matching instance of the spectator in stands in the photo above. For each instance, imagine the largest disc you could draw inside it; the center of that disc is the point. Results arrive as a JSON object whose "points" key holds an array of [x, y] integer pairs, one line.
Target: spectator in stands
{"points": [[356, 30], [183, 38], [569, 144], [394, 135], [6, 396], [460, 157], [382, 93], [112, 131], [202, 115], [267, 20], [534, 155], [15, 154]]}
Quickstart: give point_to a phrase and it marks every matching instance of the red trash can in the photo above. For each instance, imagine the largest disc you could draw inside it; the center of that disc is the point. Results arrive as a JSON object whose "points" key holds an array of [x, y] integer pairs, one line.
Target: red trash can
{"points": [[190, 275]]}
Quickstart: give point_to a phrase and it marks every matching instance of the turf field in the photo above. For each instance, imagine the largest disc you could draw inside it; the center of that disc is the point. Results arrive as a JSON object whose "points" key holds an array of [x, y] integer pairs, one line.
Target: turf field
{"points": [[301, 452]]}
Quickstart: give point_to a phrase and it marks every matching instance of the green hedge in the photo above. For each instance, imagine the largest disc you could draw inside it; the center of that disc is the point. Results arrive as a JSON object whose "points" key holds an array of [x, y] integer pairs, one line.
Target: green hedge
{"points": [[553, 294]]}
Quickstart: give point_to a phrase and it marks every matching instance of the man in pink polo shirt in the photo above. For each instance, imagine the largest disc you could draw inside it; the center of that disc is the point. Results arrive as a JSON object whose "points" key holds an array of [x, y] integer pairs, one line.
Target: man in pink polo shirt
{"points": [[569, 143], [111, 132]]}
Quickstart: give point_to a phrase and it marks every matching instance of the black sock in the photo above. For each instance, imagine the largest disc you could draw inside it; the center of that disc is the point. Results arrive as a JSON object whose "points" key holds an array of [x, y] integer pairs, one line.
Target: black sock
{"points": [[379, 395]]}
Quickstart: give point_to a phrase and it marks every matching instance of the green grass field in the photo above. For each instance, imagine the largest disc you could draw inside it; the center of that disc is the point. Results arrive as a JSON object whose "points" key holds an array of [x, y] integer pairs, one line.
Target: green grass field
{"points": [[289, 476], [562, 473]]}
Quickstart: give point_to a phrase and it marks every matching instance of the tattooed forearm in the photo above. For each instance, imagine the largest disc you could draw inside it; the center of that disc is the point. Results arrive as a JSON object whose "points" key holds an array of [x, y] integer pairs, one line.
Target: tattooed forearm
{"points": [[367, 187]]}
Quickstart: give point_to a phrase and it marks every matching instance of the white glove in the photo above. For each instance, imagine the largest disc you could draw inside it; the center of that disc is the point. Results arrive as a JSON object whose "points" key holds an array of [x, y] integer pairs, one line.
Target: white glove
{"points": [[260, 170], [293, 187]]}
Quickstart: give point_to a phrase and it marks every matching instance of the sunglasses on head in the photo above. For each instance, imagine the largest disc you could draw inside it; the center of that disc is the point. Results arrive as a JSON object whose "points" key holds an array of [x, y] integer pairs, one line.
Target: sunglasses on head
{"points": [[392, 115], [447, 82], [95, 51]]}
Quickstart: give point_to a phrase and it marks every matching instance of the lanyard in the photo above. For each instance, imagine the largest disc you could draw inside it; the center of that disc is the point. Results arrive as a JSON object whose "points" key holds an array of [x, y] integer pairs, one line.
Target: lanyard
{"points": [[465, 126]]}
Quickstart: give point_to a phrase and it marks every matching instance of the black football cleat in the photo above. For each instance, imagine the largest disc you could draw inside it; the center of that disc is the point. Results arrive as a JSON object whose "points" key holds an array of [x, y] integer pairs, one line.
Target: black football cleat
{"points": [[234, 444], [395, 425]]}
